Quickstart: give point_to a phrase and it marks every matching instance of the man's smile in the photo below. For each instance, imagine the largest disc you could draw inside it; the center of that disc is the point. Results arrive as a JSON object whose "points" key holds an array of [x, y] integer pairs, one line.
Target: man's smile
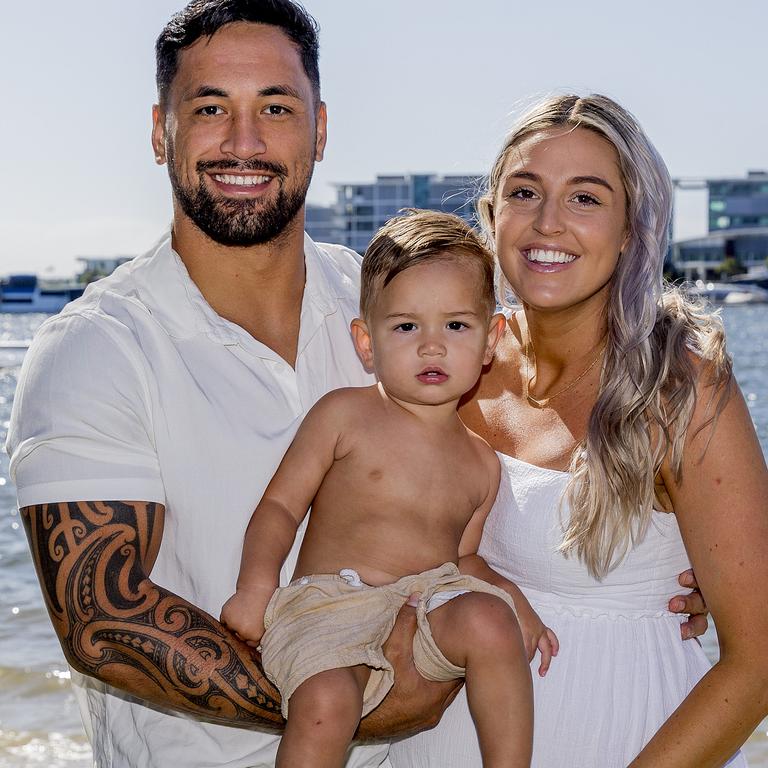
{"points": [[241, 181]]}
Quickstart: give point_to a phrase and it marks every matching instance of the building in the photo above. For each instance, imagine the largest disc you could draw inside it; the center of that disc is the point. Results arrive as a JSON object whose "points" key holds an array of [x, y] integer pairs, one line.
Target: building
{"points": [[320, 223], [361, 208], [738, 229], [704, 257], [95, 267], [736, 204]]}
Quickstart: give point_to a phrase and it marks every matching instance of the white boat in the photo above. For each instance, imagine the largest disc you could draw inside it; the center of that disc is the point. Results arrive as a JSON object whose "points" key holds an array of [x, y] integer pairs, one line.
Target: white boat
{"points": [[27, 293], [727, 293]]}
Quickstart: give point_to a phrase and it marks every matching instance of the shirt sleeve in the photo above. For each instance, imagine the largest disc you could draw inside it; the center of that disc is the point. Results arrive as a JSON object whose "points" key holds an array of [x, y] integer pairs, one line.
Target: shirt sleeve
{"points": [[81, 423]]}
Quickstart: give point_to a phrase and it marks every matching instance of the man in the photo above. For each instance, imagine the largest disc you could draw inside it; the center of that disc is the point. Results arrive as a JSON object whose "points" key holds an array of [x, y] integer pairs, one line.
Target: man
{"points": [[175, 386]]}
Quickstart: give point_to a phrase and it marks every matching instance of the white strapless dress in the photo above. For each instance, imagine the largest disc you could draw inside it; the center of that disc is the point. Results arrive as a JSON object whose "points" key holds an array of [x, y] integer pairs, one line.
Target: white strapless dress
{"points": [[622, 668]]}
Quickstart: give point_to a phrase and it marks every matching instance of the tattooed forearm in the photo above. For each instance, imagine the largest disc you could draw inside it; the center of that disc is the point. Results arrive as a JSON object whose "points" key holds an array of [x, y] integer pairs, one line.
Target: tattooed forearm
{"points": [[92, 559]]}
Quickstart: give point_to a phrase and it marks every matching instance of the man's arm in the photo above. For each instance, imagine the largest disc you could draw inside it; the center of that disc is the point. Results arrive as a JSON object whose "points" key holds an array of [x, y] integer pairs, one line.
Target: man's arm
{"points": [[114, 624], [92, 559]]}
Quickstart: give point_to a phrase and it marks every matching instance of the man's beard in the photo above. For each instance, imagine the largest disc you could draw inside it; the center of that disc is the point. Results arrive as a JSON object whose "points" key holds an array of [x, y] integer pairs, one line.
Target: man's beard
{"points": [[240, 222]]}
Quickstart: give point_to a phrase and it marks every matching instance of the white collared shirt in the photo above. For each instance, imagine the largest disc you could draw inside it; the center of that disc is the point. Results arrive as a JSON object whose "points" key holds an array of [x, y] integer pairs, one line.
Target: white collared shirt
{"points": [[139, 390]]}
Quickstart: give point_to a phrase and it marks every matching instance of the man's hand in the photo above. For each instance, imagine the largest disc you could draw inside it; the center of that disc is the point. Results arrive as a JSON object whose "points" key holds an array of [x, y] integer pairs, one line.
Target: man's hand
{"points": [[243, 613], [414, 703], [692, 604]]}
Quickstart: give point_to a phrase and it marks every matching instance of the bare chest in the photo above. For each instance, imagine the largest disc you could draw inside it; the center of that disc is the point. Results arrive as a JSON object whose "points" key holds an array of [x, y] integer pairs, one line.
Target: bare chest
{"points": [[546, 437], [419, 482]]}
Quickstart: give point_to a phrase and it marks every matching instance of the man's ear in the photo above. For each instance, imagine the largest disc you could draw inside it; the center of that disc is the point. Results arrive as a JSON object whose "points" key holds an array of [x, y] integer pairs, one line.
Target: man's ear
{"points": [[321, 131], [495, 331], [363, 343], [158, 133]]}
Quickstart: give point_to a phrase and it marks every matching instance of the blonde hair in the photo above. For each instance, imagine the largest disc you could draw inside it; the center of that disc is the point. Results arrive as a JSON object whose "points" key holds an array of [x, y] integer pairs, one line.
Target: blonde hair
{"points": [[648, 383], [417, 236]]}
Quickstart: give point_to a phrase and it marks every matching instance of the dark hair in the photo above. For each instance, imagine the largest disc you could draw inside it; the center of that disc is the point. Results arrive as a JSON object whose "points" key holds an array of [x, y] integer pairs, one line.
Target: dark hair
{"points": [[203, 18], [419, 236]]}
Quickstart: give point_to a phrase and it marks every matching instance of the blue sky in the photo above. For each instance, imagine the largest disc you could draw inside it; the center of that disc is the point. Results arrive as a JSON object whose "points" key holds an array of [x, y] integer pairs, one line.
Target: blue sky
{"points": [[411, 86]]}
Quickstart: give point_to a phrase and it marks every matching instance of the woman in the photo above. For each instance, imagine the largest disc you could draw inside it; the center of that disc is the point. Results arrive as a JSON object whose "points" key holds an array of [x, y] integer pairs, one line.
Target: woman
{"points": [[627, 452]]}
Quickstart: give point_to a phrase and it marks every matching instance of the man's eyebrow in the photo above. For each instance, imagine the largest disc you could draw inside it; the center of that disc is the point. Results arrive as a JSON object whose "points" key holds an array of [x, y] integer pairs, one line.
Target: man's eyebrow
{"points": [[281, 90], [575, 180], [207, 91]]}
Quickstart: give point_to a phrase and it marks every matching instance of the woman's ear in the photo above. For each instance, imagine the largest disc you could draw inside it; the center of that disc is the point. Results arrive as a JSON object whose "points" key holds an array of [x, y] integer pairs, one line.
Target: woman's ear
{"points": [[485, 209], [363, 343]]}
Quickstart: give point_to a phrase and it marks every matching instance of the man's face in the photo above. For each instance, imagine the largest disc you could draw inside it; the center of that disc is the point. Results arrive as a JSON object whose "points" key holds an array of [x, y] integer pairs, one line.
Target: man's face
{"points": [[240, 132]]}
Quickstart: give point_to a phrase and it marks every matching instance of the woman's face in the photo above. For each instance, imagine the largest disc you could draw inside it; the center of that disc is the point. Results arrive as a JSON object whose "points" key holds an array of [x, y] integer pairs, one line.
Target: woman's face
{"points": [[560, 218]]}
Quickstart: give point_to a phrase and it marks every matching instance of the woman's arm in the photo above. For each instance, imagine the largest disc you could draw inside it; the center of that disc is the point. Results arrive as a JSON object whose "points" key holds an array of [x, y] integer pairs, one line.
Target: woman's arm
{"points": [[722, 508]]}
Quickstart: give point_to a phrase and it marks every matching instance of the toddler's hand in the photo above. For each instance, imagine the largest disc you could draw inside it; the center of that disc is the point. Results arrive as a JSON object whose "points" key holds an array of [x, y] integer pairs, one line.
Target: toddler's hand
{"points": [[548, 646], [244, 612], [536, 636]]}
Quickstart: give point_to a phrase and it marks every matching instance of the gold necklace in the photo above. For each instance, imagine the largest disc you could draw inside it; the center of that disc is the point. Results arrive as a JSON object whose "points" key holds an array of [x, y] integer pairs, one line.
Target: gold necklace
{"points": [[544, 402]]}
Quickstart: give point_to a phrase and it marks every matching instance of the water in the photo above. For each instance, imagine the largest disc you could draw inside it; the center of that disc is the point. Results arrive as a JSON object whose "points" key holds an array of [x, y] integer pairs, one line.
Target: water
{"points": [[39, 721]]}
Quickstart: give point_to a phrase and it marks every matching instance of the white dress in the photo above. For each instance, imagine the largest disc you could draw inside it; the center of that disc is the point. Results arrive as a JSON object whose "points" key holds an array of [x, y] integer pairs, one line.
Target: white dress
{"points": [[622, 668]]}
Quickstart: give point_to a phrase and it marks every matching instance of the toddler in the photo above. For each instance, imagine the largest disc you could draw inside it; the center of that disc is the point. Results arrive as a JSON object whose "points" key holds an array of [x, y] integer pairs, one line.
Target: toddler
{"points": [[399, 490]]}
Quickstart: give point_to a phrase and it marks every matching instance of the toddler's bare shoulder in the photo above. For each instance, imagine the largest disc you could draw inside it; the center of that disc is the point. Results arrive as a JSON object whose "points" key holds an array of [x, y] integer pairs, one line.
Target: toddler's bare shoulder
{"points": [[485, 453], [345, 402]]}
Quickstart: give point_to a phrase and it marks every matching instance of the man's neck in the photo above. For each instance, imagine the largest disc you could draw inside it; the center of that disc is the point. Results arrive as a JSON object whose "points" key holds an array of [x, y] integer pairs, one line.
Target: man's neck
{"points": [[260, 288]]}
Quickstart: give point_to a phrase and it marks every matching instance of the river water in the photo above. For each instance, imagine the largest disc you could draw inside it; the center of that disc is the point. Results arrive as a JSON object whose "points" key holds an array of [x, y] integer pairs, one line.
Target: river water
{"points": [[39, 721]]}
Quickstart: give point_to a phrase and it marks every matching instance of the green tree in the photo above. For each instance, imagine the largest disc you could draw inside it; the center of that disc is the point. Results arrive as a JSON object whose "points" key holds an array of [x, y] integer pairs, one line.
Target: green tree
{"points": [[731, 266]]}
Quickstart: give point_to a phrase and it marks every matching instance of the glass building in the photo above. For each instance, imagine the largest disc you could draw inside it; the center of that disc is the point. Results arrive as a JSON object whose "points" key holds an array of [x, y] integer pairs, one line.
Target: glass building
{"points": [[361, 208], [738, 229], [703, 257], [738, 203], [320, 223]]}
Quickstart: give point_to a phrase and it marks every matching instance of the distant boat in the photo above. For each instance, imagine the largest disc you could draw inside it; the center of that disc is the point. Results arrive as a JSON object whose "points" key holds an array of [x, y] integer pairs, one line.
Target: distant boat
{"points": [[727, 293], [755, 276], [26, 293]]}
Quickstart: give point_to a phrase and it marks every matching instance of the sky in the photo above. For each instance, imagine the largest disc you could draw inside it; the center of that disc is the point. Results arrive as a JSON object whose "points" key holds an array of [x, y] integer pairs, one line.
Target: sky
{"points": [[411, 86]]}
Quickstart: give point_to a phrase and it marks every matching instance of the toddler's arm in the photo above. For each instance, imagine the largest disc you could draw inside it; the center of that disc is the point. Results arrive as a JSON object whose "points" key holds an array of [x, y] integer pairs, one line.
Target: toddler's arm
{"points": [[272, 528], [535, 634]]}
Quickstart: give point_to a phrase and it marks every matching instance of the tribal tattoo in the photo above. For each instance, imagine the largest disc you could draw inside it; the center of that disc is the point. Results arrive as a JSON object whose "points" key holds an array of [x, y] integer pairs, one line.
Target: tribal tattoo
{"points": [[92, 559]]}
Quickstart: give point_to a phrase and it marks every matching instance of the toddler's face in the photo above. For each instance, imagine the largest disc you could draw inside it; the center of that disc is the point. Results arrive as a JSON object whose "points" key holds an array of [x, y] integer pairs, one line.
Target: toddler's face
{"points": [[431, 332]]}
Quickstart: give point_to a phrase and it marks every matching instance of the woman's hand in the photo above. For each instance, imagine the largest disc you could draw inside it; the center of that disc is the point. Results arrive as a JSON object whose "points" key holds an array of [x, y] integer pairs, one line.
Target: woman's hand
{"points": [[692, 604]]}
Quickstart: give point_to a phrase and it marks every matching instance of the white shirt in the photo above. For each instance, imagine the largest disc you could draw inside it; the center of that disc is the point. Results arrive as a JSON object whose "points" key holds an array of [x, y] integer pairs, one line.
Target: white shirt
{"points": [[139, 390]]}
